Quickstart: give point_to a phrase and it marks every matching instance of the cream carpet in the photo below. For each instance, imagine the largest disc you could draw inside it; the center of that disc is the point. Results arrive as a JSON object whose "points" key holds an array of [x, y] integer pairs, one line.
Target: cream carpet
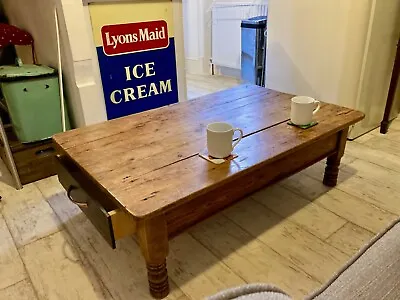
{"points": [[375, 275]]}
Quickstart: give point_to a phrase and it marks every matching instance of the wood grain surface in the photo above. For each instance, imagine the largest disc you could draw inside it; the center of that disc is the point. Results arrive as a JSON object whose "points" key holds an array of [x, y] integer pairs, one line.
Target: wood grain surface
{"points": [[125, 124], [148, 162]]}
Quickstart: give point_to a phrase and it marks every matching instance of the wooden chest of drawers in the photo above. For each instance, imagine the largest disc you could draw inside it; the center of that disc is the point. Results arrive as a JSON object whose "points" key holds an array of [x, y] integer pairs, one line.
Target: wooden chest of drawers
{"points": [[34, 161]]}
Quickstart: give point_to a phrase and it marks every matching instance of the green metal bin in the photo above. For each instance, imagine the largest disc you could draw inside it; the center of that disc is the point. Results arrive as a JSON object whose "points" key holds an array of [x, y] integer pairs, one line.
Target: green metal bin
{"points": [[32, 95]]}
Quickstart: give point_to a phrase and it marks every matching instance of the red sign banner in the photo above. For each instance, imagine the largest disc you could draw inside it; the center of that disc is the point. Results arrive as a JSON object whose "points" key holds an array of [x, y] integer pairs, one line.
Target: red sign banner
{"points": [[134, 37]]}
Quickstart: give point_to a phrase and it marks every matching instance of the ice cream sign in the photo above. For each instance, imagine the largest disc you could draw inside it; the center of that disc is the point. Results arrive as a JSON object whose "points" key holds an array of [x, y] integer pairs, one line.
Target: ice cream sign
{"points": [[137, 63], [134, 37]]}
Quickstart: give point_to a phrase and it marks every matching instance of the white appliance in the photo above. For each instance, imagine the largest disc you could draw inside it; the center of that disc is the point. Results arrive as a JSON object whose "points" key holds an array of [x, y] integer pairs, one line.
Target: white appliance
{"points": [[338, 51], [226, 20]]}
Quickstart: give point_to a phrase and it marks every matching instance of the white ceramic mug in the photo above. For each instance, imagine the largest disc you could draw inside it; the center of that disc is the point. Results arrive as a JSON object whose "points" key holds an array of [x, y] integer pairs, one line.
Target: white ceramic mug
{"points": [[219, 139], [303, 109]]}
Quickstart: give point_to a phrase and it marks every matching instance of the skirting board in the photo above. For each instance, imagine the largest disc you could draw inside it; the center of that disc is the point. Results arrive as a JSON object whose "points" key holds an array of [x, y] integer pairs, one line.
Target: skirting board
{"points": [[228, 72]]}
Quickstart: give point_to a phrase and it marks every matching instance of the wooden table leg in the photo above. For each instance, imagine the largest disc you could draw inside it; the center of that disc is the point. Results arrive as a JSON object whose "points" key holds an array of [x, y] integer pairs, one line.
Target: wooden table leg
{"points": [[153, 239], [333, 161], [392, 92]]}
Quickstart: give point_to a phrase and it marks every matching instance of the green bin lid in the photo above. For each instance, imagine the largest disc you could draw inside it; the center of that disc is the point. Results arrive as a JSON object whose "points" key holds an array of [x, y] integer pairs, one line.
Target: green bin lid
{"points": [[24, 71]]}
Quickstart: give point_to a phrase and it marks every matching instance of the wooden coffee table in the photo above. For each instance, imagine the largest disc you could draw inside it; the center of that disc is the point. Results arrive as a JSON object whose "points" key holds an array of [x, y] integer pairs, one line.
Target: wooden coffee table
{"points": [[142, 174]]}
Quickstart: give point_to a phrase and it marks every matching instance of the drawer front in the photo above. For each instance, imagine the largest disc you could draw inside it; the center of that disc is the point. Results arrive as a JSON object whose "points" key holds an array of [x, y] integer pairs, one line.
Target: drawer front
{"points": [[111, 223], [35, 163], [37, 153], [93, 210]]}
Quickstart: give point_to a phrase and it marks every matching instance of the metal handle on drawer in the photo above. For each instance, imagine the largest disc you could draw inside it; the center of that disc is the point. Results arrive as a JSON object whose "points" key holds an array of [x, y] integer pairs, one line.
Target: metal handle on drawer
{"points": [[45, 152], [80, 204]]}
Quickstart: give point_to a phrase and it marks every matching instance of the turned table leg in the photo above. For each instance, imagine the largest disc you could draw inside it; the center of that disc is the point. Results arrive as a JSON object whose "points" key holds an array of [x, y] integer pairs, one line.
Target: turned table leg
{"points": [[153, 241], [333, 161]]}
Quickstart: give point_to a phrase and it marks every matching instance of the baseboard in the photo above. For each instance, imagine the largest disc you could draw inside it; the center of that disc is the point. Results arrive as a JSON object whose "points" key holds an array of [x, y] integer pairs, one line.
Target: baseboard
{"points": [[229, 72]]}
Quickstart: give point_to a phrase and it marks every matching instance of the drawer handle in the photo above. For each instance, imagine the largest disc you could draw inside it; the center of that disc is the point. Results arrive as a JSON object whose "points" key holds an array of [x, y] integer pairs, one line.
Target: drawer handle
{"points": [[80, 204], [45, 152]]}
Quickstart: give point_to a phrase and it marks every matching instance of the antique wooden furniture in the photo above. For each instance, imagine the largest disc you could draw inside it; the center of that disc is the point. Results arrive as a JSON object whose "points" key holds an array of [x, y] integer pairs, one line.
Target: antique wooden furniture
{"points": [[392, 92], [33, 161], [142, 174]]}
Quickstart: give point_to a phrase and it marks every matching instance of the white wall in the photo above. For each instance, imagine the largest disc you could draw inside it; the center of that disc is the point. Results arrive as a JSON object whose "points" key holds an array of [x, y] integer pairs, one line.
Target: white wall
{"points": [[319, 48], [316, 47], [35, 19], [337, 51], [193, 32]]}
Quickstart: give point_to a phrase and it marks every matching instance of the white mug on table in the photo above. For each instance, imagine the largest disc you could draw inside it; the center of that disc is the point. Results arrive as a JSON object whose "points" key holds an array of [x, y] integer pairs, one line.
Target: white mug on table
{"points": [[303, 109], [219, 139]]}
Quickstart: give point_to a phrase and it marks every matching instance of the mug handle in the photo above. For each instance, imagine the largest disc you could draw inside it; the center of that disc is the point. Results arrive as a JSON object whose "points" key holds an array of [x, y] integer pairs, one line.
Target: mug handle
{"points": [[240, 137], [318, 107]]}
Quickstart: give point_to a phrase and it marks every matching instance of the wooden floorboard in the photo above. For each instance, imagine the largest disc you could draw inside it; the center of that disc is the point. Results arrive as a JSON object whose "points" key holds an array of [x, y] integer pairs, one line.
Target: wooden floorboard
{"points": [[22, 290], [11, 267], [350, 238], [290, 206], [250, 258], [385, 144], [290, 240], [348, 205]]}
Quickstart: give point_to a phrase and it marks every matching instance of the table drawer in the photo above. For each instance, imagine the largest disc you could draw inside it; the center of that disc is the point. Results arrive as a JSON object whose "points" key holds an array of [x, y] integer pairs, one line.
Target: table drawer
{"points": [[111, 222], [35, 162]]}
